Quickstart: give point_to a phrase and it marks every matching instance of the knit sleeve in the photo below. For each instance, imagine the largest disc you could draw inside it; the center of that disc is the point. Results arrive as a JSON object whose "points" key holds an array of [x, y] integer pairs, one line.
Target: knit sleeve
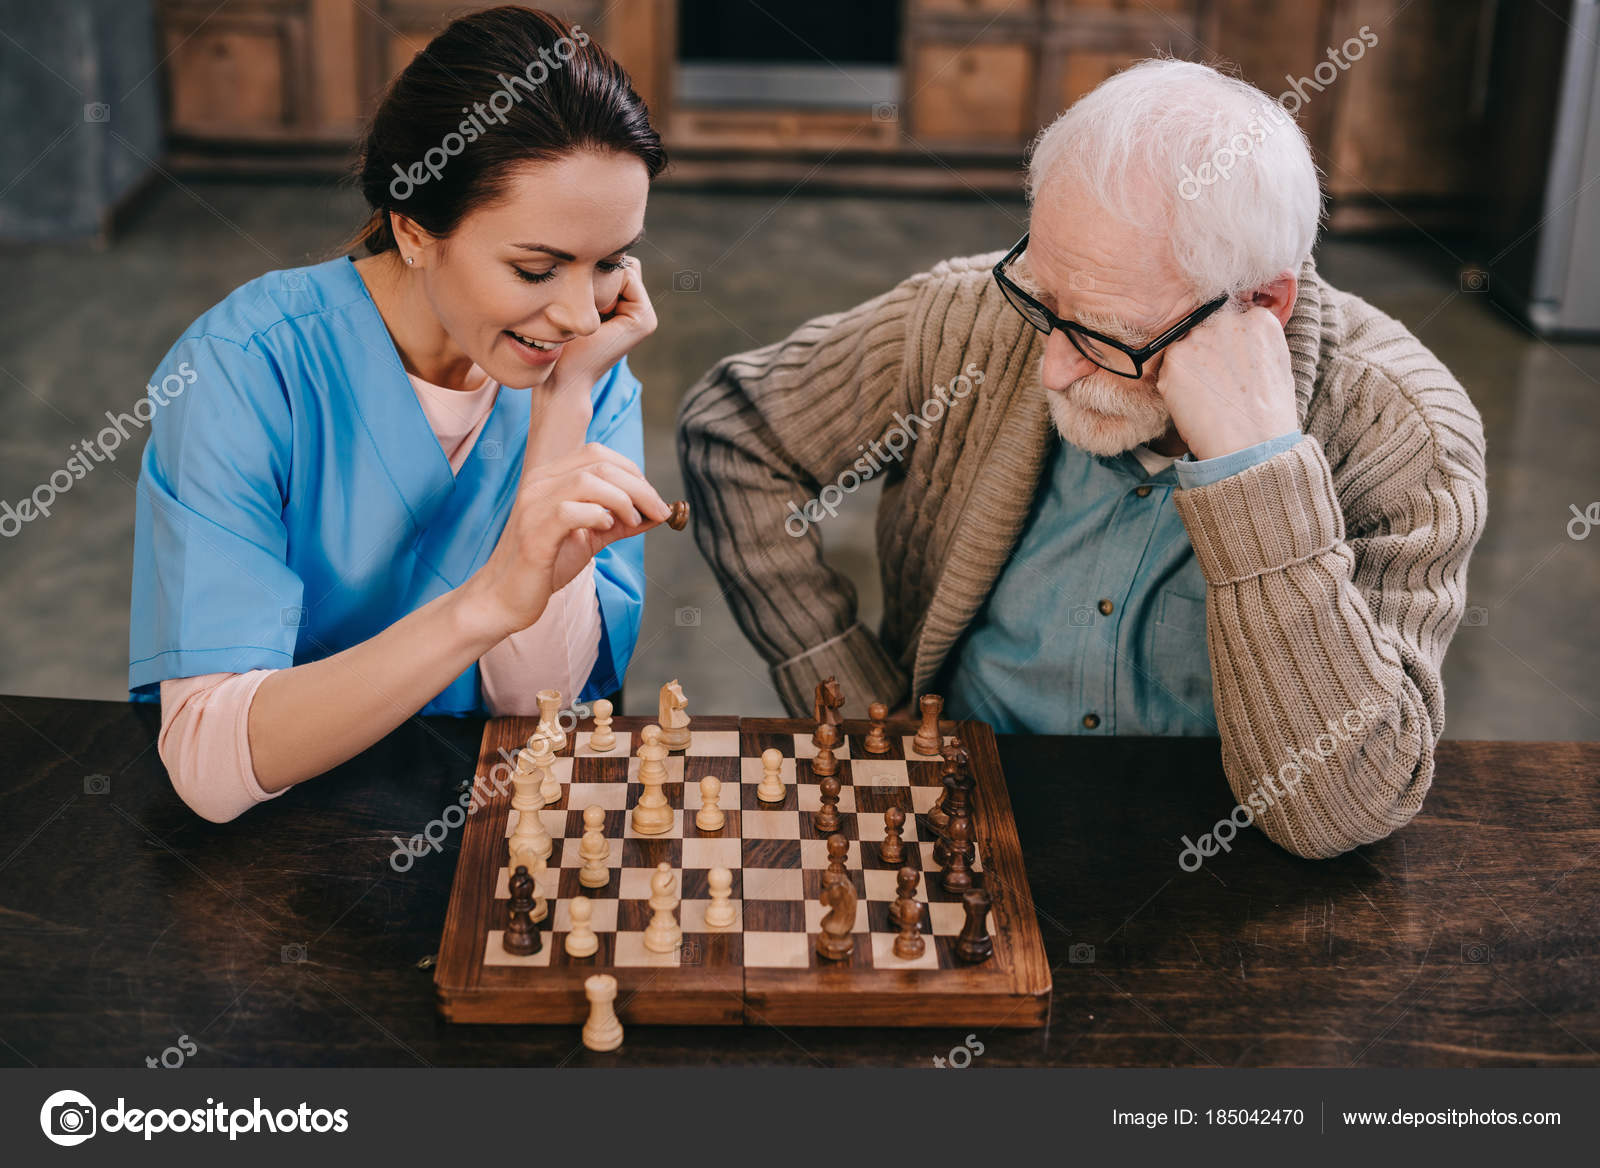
{"points": [[763, 439], [1327, 642]]}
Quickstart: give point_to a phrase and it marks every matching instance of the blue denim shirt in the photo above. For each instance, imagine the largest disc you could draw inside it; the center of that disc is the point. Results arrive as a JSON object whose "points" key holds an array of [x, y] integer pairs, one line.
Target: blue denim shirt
{"points": [[1097, 624]]}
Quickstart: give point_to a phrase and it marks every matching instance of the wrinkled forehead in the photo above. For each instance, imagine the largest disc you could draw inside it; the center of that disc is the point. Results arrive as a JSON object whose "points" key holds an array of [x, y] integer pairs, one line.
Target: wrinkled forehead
{"points": [[1088, 264]]}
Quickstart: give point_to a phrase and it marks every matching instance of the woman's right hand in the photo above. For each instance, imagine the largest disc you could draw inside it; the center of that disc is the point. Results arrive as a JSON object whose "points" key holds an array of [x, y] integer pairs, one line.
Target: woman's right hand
{"points": [[565, 512]]}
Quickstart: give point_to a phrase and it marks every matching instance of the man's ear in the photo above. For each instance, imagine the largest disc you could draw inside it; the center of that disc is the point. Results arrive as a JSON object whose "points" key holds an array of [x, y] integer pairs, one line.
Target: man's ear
{"points": [[1276, 297]]}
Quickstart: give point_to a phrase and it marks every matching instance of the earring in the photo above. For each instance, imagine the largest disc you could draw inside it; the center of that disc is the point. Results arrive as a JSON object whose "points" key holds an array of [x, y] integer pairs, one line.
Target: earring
{"points": [[411, 259]]}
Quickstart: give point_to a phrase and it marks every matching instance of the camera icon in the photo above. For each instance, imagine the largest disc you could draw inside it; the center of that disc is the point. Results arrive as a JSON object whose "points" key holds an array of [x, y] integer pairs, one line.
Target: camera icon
{"points": [[1081, 282], [1476, 616], [491, 449], [1474, 280], [97, 784], [1082, 614], [295, 281], [691, 952], [885, 111], [293, 954], [687, 618], [687, 280], [1081, 954], [97, 111], [1475, 953], [294, 616], [71, 1121]]}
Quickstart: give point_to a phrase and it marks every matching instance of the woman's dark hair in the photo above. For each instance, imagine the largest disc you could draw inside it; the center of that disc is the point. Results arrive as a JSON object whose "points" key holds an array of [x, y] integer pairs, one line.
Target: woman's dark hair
{"points": [[494, 89]]}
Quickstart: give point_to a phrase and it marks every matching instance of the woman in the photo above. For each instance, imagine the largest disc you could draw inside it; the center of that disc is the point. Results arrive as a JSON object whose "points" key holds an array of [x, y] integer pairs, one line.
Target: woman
{"points": [[398, 483]]}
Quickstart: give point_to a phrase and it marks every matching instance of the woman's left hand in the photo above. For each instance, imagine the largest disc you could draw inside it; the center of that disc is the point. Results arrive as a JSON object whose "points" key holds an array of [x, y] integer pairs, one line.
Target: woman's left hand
{"points": [[626, 323]]}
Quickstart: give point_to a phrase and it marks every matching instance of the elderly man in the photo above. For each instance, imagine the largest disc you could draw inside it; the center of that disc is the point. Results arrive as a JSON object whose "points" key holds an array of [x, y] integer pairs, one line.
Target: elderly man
{"points": [[1253, 516]]}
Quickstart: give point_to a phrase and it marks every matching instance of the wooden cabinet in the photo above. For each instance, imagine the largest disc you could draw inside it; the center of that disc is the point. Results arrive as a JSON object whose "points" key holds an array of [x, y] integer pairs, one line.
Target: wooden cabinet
{"points": [[1394, 133]]}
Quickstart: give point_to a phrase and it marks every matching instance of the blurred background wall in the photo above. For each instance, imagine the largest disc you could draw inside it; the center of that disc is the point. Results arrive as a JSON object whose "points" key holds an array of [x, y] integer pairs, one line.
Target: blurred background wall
{"points": [[822, 150]]}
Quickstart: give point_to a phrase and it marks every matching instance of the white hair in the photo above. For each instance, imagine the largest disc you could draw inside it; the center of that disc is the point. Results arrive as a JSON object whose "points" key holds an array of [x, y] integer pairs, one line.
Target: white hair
{"points": [[1229, 173]]}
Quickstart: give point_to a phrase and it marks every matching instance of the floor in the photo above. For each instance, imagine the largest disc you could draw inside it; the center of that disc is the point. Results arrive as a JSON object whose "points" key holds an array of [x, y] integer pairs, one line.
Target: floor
{"points": [[80, 329]]}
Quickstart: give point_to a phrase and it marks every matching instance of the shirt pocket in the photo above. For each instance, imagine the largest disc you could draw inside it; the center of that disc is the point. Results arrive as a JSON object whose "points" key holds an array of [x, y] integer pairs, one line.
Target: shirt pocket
{"points": [[1180, 661]]}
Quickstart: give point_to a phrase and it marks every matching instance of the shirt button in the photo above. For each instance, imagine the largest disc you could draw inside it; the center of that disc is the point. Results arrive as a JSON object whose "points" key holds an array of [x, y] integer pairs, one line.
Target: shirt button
{"points": [[1142, 492], [1106, 608], [1090, 721]]}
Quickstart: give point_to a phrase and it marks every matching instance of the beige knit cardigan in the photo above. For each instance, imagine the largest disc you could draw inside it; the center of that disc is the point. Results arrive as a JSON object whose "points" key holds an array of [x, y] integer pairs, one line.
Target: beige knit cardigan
{"points": [[1336, 571]]}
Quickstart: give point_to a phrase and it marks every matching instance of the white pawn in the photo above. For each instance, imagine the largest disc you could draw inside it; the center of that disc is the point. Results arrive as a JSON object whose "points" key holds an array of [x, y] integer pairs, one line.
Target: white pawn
{"points": [[544, 765], [710, 816], [603, 738], [594, 849], [581, 941], [602, 1031], [663, 934], [771, 788], [720, 913], [550, 719], [652, 814]]}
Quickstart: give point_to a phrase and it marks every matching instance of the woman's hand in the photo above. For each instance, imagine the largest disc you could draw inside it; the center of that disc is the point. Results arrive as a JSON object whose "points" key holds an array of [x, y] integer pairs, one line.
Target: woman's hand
{"points": [[625, 323], [565, 512], [561, 409]]}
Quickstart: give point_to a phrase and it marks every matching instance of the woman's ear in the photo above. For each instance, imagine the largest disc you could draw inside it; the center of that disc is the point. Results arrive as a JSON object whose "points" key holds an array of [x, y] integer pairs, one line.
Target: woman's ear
{"points": [[1276, 297], [412, 239]]}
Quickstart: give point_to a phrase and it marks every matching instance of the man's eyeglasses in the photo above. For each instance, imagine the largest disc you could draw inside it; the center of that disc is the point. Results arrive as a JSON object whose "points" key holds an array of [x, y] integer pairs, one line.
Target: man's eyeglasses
{"points": [[1110, 354]]}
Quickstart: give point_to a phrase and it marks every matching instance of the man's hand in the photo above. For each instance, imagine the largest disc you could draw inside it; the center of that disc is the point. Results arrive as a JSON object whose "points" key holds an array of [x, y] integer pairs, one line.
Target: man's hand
{"points": [[1228, 384]]}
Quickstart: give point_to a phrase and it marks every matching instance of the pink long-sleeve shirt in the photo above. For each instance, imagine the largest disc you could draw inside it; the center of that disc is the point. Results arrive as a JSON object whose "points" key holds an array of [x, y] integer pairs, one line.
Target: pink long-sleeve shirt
{"points": [[205, 720]]}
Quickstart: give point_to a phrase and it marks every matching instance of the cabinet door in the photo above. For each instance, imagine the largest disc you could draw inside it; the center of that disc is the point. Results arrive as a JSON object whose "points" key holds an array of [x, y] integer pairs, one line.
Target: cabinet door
{"points": [[976, 95], [239, 72]]}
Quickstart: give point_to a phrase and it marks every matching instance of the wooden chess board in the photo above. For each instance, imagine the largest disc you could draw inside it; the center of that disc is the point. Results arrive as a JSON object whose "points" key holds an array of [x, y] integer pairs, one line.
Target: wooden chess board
{"points": [[764, 968]]}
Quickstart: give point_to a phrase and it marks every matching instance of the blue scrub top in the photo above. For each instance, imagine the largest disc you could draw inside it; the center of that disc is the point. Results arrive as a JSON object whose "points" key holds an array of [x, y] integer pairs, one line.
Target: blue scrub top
{"points": [[293, 500]]}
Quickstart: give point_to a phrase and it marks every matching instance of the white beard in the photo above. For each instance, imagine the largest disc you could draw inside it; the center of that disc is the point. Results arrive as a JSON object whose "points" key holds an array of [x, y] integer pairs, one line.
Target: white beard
{"points": [[1107, 415]]}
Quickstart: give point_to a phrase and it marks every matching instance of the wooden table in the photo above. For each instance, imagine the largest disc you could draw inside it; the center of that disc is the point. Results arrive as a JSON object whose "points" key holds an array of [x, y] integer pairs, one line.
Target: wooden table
{"points": [[287, 938]]}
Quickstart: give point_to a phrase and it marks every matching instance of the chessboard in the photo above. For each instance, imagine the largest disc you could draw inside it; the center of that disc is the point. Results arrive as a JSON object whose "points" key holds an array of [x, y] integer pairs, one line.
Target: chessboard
{"points": [[764, 968]]}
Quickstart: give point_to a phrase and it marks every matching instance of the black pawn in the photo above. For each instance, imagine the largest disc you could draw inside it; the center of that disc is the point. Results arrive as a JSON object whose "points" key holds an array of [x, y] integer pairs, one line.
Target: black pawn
{"points": [[827, 819], [974, 944], [838, 850], [906, 914], [521, 937], [958, 870]]}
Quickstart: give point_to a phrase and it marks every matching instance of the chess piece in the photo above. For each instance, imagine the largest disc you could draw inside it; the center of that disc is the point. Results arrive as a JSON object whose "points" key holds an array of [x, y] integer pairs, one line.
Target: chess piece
{"points": [[602, 1031], [604, 738], [594, 850], [906, 913], [720, 913], [673, 721], [825, 763], [678, 515], [770, 789], [838, 849], [877, 741], [544, 765], [828, 700], [663, 934], [835, 941], [530, 839], [928, 739], [827, 818], [521, 936], [652, 814], [892, 850], [955, 805], [710, 816], [958, 871], [550, 719], [581, 941], [974, 944], [955, 760]]}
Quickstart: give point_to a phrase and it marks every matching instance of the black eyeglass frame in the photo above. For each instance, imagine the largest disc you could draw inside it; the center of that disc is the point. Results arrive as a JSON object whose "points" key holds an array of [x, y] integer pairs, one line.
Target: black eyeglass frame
{"points": [[1139, 356]]}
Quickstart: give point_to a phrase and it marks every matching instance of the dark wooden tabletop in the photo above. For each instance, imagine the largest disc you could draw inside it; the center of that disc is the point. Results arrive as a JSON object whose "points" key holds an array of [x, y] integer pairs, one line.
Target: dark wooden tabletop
{"points": [[132, 929]]}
